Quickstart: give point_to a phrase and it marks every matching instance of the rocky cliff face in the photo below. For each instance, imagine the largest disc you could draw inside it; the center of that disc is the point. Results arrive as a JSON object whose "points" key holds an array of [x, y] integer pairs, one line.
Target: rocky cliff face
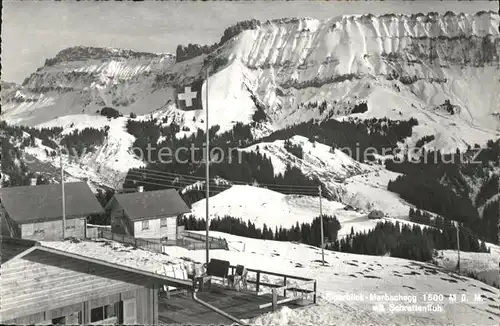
{"points": [[400, 65]]}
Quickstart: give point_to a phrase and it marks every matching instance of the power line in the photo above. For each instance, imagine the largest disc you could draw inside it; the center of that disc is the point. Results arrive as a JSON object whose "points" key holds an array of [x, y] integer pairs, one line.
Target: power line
{"points": [[161, 173], [219, 187], [174, 186], [139, 178], [445, 224]]}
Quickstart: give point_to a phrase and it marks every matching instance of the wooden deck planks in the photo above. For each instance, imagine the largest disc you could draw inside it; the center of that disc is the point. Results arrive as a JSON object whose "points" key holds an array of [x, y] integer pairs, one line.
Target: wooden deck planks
{"points": [[182, 309]]}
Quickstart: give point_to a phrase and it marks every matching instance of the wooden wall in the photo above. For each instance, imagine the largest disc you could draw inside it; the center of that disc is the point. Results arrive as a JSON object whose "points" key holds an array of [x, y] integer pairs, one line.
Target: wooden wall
{"points": [[41, 282], [8, 227], [75, 227], [156, 231], [119, 222], [146, 309]]}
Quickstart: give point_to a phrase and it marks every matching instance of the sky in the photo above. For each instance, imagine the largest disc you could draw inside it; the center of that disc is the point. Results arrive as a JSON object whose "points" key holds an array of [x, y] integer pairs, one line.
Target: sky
{"points": [[35, 31]]}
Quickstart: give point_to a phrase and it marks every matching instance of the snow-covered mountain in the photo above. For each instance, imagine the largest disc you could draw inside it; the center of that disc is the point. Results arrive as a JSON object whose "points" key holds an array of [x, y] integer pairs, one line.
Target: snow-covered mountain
{"points": [[295, 70], [402, 66]]}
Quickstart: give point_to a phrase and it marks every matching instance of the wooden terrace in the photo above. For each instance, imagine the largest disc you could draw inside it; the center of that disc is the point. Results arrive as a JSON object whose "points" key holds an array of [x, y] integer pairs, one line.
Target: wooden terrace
{"points": [[182, 309], [244, 304]]}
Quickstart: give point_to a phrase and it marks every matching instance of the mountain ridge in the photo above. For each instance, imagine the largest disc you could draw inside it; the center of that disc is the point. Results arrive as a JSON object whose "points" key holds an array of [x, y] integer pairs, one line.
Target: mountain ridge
{"points": [[293, 70]]}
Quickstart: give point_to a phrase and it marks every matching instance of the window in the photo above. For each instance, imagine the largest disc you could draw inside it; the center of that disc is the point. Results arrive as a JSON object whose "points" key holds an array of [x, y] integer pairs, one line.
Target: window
{"points": [[70, 224], [38, 228], [102, 313], [145, 225], [163, 223], [59, 321]]}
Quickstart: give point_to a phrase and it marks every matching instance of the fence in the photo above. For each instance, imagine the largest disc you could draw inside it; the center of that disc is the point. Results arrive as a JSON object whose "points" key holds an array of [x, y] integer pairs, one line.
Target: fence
{"points": [[92, 231], [140, 243], [188, 240], [297, 287], [214, 243]]}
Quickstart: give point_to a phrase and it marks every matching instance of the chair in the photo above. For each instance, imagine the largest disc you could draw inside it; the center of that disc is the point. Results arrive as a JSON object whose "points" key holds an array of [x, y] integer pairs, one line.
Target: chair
{"points": [[239, 277], [217, 268]]}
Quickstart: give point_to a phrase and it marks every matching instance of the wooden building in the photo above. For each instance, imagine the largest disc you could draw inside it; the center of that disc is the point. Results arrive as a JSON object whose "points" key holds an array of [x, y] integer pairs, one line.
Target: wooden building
{"points": [[150, 215], [35, 212], [376, 214], [66, 283]]}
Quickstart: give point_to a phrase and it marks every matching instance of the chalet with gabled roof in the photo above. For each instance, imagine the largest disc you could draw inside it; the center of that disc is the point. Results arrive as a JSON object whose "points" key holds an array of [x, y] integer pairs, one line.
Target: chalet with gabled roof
{"points": [[35, 212], [79, 283], [148, 215]]}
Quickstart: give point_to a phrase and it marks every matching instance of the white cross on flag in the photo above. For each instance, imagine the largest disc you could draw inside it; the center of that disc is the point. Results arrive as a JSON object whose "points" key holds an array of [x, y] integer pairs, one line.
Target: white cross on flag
{"points": [[188, 97]]}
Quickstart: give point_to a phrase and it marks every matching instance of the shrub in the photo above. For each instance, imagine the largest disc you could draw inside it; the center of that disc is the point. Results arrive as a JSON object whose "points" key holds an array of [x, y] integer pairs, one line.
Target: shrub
{"points": [[360, 108], [110, 112]]}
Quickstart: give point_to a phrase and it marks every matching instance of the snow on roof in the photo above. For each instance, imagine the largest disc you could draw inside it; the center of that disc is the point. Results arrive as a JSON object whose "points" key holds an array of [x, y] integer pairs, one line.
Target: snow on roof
{"points": [[117, 253]]}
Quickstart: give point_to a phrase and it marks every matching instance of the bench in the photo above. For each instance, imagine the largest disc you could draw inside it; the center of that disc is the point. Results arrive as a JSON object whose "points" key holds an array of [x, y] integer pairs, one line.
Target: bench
{"points": [[180, 273]]}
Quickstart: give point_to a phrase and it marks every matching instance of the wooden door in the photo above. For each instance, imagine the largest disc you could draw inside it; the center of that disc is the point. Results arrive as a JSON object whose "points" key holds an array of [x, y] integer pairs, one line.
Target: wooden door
{"points": [[129, 312]]}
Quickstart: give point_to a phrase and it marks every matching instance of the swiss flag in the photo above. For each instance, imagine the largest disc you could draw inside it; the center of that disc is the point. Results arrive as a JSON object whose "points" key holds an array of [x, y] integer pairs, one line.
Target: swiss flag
{"points": [[188, 97]]}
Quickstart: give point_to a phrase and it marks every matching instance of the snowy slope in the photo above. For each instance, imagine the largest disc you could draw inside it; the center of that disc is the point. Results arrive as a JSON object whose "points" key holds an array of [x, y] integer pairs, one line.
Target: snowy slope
{"points": [[108, 165], [360, 185], [263, 206], [318, 159], [483, 265], [347, 275]]}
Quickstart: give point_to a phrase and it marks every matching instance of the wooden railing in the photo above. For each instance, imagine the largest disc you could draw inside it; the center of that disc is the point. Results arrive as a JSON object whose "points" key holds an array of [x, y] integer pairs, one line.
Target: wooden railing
{"points": [[296, 288], [300, 287]]}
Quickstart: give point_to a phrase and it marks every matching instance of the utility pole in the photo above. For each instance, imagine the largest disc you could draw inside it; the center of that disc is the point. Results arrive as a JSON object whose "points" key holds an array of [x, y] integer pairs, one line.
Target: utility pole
{"points": [[458, 246], [321, 222], [63, 197], [207, 163]]}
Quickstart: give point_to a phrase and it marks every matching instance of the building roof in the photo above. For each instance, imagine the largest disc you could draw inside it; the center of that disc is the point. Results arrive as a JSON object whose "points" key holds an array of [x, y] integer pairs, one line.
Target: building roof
{"points": [[103, 252], [144, 205], [28, 204], [11, 247], [376, 213]]}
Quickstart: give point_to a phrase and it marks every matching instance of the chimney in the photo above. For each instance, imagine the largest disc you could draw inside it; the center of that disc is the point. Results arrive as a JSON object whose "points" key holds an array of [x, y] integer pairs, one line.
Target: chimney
{"points": [[140, 189], [33, 182]]}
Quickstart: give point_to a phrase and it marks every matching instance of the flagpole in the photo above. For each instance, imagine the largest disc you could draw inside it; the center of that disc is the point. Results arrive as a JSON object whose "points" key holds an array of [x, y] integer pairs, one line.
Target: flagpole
{"points": [[207, 160]]}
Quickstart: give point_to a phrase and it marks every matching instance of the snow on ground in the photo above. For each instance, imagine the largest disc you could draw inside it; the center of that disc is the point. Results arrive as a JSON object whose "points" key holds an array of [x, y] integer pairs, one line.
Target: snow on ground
{"points": [[116, 253], [318, 158], [369, 191], [347, 281], [484, 265], [263, 206], [360, 185], [108, 164]]}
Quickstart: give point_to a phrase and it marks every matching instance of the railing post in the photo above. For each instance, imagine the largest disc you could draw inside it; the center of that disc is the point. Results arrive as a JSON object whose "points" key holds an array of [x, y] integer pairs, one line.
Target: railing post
{"points": [[284, 284], [257, 284], [315, 288], [275, 299]]}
